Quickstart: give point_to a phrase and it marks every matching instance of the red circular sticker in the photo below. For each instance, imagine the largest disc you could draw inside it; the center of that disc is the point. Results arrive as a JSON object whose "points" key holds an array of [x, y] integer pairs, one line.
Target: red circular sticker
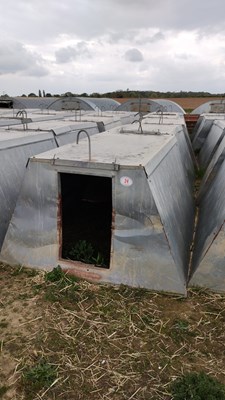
{"points": [[126, 181]]}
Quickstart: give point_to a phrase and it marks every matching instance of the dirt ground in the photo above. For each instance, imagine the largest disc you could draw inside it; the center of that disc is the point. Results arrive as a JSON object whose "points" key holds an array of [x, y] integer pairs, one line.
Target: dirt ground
{"points": [[67, 339]]}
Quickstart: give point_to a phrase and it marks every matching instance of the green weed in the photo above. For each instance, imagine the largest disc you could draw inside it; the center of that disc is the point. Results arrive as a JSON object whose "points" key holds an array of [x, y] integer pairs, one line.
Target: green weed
{"points": [[84, 251], [3, 324], [39, 376], [197, 386], [60, 285], [55, 275], [3, 390], [20, 270]]}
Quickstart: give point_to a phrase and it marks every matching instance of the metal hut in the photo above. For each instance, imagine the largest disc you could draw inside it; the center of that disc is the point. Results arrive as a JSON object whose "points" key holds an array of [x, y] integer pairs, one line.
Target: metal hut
{"points": [[202, 129], [117, 209], [18, 144]]}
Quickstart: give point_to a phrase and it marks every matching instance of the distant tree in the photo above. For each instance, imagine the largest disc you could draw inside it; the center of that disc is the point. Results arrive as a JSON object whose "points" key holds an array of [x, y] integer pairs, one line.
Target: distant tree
{"points": [[39, 93], [48, 95], [23, 95], [97, 95], [43, 93], [32, 95], [68, 94]]}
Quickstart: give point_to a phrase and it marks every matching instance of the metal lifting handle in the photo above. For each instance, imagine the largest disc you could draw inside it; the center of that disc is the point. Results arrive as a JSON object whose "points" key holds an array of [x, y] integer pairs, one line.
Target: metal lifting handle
{"points": [[139, 120], [160, 112], [23, 113], [89, 141]]}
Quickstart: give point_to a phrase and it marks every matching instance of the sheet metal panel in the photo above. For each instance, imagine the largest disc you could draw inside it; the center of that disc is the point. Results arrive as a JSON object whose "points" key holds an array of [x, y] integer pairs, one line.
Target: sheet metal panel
{"points": [[112, 148], [9, 122], [71, 136], [177, 131], [212, 170], [211, 143], [208, 268], [172, 191], [168, 118], [170, 106], [13, 160], [101, 103], [36, 215], [213, 106], [135, 105], [141, 250], [202, 129]]}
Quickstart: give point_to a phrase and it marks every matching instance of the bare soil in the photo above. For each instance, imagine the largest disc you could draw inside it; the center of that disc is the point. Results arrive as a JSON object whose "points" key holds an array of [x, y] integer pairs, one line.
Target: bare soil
{"points": [[103, 342]]}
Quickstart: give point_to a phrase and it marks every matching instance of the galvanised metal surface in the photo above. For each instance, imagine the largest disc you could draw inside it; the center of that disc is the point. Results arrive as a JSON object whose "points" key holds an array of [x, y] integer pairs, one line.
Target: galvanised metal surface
{"points": [[202, 129], [164, 118], [63, 103], [171, 187], [208, 268], [102, 103], [142, 105], [211, 143], [36, 214], [9, 122], [146, 234], [14, 154], [32, 102], [70, 103], [149, 126], [170, 106], [214, 106], [70, 136], [83, 103], [212, 170]]}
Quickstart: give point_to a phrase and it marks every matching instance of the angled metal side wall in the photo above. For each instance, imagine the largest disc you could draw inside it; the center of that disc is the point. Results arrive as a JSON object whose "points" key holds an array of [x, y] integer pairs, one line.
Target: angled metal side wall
{"points": [[32, 237], [211, 143], [141, 254], [208, 266], [201, 133], [203, 127], [13, 162], [172, 190]]}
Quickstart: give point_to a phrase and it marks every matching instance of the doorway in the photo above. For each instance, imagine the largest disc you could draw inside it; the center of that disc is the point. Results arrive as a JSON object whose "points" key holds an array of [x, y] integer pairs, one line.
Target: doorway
{"points": [[86, 218]]}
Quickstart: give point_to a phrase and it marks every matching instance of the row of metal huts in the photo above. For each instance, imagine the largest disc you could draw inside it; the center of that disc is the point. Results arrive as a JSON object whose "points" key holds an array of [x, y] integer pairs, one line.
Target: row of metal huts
{"points": [[111, 196]]}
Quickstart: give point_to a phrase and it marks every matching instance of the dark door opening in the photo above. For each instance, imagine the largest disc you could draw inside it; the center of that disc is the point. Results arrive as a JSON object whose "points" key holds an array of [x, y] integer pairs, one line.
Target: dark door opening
{"points": [[86, 218]]}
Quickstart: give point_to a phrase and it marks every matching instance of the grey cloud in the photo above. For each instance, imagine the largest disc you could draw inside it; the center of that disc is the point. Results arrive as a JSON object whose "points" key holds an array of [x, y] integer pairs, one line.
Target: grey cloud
{"points": [[150, 39], [66, 54], [183, 56], [134, 55], [15, 58], [88, 19], [155, 38], [168, 73], [119, 36], [37, 70], [71, 53]]}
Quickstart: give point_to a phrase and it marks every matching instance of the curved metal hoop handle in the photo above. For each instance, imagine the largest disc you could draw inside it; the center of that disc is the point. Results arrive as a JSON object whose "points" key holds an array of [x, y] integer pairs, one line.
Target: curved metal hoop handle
{"points": [[89, 141]]}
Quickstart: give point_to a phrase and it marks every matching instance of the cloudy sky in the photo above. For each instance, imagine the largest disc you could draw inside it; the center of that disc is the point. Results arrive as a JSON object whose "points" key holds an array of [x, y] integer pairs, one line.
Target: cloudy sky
{"points": [[105, 45]]}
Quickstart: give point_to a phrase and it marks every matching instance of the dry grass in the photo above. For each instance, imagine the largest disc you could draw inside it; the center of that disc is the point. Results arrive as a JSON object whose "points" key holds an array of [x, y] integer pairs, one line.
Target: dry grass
{"points": [[104, 342]]}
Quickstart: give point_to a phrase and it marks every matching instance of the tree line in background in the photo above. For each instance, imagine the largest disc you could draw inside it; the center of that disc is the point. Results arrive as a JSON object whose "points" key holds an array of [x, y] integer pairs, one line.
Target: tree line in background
{"points": [[128, 94]]}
